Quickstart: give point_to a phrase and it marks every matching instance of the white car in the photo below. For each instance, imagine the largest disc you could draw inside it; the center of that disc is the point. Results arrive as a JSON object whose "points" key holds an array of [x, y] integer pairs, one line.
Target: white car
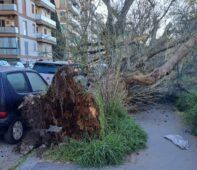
{"points": [[4, 63], [48, 69], [19, 65]]}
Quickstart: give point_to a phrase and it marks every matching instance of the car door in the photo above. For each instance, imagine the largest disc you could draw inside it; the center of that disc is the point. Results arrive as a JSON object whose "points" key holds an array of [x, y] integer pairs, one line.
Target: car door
{"points": [[37, 83], [17, 88]]}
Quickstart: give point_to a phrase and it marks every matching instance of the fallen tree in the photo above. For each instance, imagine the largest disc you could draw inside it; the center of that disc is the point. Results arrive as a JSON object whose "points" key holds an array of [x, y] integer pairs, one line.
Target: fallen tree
{"points": [[65, 110], [158, 73]]}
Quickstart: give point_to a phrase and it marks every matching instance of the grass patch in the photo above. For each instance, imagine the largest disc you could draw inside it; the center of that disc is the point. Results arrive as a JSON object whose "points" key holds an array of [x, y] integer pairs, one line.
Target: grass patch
{"points": [[120, 136], [187, 103]]}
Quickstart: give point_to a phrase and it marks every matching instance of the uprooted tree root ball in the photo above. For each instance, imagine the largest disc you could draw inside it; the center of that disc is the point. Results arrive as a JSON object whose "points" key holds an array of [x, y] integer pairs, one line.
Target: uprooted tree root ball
{"points": [[66, 106], [120, 137]]}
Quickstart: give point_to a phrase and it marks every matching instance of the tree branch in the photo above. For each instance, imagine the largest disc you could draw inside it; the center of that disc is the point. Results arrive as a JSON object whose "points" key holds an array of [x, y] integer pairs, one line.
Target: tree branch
{"points": [[166, 11], [121, 20]]}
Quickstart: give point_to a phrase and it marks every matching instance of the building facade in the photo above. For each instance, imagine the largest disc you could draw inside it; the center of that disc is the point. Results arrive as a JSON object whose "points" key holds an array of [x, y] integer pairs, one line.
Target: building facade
{"points": [[25, 29], [68, 12], [78, 20]]}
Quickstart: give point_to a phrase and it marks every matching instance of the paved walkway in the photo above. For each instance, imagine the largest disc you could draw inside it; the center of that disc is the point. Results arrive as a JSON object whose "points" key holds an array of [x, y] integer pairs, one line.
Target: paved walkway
{"points": [[161, 154], [8, 157]]}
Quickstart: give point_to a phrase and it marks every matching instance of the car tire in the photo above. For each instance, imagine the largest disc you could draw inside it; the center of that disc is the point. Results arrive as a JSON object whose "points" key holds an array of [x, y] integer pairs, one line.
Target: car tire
{"points": [[15, 132]]}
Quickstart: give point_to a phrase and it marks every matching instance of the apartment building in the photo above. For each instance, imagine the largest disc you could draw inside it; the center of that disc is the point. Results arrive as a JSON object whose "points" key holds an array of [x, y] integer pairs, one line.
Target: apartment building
{"points": [[69, 16], [77, 18], [25, 29]]}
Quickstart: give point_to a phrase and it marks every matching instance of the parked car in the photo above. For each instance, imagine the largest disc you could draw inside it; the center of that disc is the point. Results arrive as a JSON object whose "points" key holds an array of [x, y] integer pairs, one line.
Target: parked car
{"points": [[48, 69], [4, 63], [17, 64], [15, 84]]}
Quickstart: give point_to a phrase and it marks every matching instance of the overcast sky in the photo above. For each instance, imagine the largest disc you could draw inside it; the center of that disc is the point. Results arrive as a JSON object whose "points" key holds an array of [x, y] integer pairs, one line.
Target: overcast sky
{"points": [[101, 7]]}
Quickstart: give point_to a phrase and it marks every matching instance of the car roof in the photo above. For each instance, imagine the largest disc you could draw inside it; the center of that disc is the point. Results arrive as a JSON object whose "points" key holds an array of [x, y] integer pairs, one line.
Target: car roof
{"points": [[4, 69], [52, 62]]}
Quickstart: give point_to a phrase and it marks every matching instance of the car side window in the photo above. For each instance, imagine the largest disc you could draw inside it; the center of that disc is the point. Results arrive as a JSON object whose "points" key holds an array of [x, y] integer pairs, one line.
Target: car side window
{"points": [[18, 82], [37, 83]]}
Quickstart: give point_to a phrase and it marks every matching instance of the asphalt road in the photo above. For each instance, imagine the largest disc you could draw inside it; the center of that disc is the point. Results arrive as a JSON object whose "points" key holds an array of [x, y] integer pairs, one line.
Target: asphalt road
{"points": [[8, 157], [160, 154]]}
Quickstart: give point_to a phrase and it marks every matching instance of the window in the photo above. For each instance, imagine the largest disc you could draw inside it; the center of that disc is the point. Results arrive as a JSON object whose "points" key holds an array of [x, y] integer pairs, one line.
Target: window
{"points": [[62, 2], [24, 7], [45, 48], [26, 48], [33, 8], [45, 31], [34, 28], [62, 14], [18, 82], [46, 68], [8, 43], [24, 27], [36, 82], [2, 23]]}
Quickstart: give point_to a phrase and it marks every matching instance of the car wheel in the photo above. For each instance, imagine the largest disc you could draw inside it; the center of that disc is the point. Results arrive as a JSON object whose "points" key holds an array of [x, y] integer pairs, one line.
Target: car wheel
{"points": [[15, 132]]}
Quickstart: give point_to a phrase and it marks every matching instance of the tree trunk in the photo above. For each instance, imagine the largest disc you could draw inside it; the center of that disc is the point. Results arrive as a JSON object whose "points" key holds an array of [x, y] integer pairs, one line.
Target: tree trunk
{"points": [[165, 69]]}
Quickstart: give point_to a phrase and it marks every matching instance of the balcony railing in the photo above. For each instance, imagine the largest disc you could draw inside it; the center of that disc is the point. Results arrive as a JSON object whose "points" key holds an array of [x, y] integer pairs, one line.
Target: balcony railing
{"points": [[47, 21], [46, 37], [9, 51], [47, 4], [9, 30], [75, 23], [73, 8], [8, 7]]}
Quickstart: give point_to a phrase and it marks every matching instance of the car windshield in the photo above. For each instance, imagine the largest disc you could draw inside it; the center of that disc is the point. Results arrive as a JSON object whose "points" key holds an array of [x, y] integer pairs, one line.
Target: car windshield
{"points": [[46, 68]]}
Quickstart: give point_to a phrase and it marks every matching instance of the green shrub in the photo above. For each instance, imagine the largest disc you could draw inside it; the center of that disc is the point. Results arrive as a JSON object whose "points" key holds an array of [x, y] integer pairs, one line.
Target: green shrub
{"points": [[187, 100], [119, 136], [188, 104]]}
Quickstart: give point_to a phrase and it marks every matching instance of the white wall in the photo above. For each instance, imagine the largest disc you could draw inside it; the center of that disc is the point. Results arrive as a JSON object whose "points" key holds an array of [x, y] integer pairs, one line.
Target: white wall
{"points": [[28, 8], [19, 4], [30, 29]]}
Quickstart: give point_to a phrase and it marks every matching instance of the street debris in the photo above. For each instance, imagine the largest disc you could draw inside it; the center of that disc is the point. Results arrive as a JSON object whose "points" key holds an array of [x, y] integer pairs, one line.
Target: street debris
{"points": [[53, 128], [178, 140], [65, 110]]}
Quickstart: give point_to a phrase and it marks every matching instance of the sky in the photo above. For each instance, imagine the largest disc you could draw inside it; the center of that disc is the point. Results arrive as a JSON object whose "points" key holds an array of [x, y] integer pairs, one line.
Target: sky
{"points": [[102, 9]]}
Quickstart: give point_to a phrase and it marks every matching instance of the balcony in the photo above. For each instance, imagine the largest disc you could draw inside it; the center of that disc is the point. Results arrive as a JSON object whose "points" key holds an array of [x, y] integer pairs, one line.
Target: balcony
{"points": [[9, 51], [46, 38], [75, 23], [8, 30], [47, 4], [41, 19], [8, 9], [74, 9]]}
